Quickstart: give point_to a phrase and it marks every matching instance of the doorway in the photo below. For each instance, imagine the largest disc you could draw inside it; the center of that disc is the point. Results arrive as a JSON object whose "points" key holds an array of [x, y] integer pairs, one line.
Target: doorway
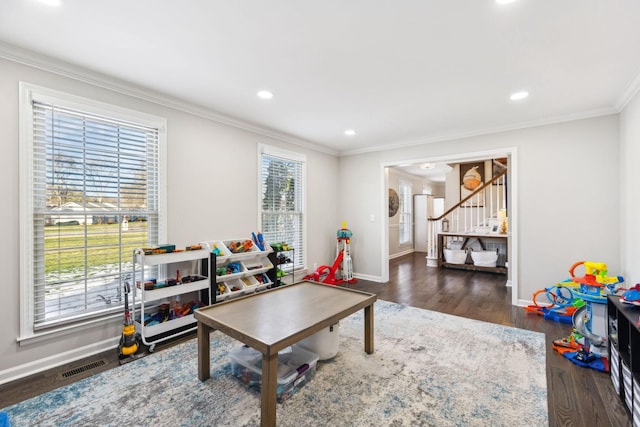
{"points": [[512, 213]]}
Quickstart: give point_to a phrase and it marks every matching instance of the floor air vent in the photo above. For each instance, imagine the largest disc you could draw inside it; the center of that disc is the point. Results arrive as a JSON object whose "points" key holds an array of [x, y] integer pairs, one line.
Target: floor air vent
{"points": [[81, 369]]}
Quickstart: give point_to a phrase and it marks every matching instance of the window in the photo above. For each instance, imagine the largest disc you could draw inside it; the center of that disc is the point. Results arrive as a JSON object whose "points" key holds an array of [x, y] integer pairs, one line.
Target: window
{"points": [[405, 212], [90, 194], [282, 199]]}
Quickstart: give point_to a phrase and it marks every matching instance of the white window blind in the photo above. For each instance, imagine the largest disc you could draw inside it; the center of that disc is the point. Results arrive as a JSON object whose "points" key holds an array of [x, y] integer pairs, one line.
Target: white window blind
{"points": [[95, 190], [405, 190], [282, 200]]}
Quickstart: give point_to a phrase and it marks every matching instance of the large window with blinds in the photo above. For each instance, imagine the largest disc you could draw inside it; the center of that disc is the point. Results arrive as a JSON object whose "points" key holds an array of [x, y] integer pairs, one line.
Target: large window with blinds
{"points": [[282, 199], [91, 175]]}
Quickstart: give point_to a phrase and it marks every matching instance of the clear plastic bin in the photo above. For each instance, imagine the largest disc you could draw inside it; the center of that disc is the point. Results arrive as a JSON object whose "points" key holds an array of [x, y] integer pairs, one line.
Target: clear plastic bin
{"points": [[296, 366]]}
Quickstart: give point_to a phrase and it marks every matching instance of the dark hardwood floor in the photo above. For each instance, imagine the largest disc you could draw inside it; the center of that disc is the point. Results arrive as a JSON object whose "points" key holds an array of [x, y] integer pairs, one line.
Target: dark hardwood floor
{"points": [[576, 396]]}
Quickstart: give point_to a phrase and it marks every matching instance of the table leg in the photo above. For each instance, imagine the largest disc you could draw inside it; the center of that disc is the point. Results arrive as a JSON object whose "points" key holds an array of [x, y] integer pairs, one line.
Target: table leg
{"points": [[204, 357], [269, 390], [368, 329]]}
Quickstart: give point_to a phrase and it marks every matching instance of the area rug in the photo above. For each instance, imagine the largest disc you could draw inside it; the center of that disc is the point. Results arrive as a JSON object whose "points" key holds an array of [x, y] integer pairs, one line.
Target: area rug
{"points": [[428, 369]]}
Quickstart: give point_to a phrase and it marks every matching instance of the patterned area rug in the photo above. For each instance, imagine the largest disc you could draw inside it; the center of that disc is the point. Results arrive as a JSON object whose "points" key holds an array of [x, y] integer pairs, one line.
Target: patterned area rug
{"points": [[428, 369]]}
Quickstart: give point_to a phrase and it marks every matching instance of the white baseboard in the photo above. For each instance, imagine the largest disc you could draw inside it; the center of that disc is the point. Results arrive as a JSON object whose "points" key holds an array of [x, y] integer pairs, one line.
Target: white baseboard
{"points": [[22, 371], [368, 277], [399, 254]]}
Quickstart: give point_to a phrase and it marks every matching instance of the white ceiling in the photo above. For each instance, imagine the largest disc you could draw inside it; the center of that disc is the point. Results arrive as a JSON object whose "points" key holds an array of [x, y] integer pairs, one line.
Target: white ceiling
{"points": [[399, 73], [436, 172]]}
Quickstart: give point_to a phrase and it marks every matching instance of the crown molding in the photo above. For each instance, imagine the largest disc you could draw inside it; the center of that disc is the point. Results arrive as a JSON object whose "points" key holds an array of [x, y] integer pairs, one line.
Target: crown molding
{"points": [[46, 63], [632, 89], [480, 132], [94, 78]]}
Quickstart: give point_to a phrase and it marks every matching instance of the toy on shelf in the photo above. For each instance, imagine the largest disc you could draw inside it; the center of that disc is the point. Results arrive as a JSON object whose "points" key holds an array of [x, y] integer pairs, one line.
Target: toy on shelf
{"points": [[279, 247], [258, 240], [221, 289], [237, 247], [216, 250], [632, 295], [262, 278], [342, 269], [230, 268]]}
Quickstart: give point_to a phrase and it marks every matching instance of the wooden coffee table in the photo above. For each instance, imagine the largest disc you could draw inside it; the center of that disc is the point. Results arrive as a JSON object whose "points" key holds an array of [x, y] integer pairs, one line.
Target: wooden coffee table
{"points": [[275, 319]]}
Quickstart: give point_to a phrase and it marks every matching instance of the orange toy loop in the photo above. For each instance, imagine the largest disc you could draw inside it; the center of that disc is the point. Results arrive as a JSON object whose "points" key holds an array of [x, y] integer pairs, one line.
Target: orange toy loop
{"points": [[574, 266], [542, 291]]}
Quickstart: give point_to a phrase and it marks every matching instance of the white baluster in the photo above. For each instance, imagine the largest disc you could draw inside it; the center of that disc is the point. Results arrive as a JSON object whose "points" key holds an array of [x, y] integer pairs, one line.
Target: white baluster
{"points": [[493, 195], [477, 209]]}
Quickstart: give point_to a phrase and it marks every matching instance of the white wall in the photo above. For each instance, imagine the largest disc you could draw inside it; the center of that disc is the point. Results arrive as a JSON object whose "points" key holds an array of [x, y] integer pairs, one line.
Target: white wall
{"points": [[567, 189], [212, 194], [567, 192], [437, 189], [395, 248], [630, 177]]}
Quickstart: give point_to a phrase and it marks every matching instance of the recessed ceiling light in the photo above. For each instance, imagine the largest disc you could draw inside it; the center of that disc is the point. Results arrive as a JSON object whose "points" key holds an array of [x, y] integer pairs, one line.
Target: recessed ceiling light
{"points": [[50, 2], [427, 166], [350, 132], [504, 1], [519, 95], [265, 94]]}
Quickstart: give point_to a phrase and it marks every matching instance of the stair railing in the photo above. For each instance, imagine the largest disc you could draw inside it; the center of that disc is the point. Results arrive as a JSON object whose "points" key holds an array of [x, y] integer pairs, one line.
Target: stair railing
{"points": [[468, 213]]}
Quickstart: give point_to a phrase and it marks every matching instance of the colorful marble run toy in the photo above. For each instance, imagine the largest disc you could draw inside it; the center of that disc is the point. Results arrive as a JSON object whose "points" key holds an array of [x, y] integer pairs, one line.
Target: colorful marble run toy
{"points": [[595, 285]]}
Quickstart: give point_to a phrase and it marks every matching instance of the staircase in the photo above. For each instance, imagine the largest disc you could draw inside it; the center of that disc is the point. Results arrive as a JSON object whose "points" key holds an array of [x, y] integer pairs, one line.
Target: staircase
{"points": [[483, 211]]}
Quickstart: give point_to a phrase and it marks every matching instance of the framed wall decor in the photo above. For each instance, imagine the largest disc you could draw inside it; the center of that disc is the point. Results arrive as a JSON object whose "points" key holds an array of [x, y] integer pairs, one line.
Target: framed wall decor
{"points": [[394, 202], [471, 178]]}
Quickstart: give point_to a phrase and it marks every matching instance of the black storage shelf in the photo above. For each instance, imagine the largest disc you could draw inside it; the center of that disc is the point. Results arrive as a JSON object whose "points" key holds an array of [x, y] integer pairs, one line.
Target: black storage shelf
{"points": [[275, 260], [624, 351]]}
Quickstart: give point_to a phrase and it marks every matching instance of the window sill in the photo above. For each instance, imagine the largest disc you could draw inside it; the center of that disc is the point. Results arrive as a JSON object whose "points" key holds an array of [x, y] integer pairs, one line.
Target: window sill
{"points": [[53, 333]]}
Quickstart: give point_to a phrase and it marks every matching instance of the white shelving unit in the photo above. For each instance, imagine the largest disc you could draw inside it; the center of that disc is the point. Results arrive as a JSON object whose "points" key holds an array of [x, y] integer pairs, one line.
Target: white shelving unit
{"points": [[190, 263], [250, 263]]}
